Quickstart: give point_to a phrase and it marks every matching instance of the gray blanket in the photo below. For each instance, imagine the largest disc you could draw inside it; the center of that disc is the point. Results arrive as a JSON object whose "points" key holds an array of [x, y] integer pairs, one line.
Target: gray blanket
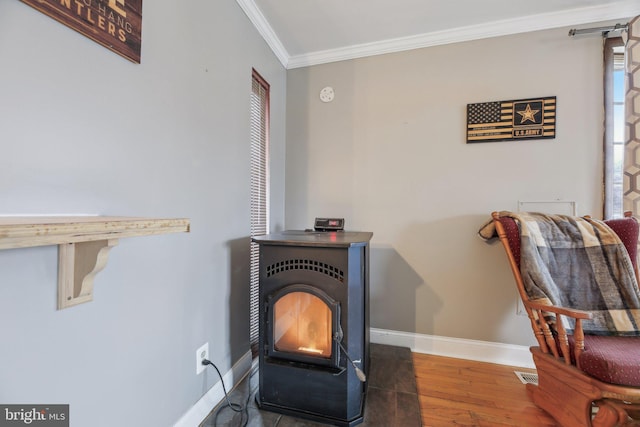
{"points": [[579, 263]]}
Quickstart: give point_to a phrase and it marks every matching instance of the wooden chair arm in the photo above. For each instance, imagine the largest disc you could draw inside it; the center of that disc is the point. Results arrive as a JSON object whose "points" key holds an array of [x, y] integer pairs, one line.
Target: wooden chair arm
{"points": [[554, 332], [570, 312]]}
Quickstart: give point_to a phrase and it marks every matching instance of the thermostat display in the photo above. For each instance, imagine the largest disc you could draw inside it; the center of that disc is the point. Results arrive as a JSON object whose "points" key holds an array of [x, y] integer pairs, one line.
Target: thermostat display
{"points": [[329, 224]]}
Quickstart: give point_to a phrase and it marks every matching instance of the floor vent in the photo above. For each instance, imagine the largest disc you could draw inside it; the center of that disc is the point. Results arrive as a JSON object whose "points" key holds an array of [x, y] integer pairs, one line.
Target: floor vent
{"points": [[527, 377]]}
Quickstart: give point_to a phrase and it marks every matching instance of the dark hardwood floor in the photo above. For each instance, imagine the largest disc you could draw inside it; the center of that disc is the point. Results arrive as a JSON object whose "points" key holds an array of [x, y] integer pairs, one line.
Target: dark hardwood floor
{"points": [[450, 392], [456, 392]]}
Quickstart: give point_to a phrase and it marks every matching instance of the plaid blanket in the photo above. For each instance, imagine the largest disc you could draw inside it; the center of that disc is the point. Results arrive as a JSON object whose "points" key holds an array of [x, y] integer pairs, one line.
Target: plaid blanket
{"points": [[579, 263]]}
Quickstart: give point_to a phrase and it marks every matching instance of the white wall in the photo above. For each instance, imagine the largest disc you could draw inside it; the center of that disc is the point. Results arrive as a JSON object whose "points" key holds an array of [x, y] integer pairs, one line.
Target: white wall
{"points": [[83, 130], [389, 155]]}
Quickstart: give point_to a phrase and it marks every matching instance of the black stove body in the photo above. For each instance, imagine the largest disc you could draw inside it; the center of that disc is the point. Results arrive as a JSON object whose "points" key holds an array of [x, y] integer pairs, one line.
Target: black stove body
{"points": [[314, 322]]}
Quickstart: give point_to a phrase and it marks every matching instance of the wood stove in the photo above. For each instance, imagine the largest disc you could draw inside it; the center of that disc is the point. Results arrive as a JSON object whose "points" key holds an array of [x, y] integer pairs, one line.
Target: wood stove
{"points": [[314, 324]]}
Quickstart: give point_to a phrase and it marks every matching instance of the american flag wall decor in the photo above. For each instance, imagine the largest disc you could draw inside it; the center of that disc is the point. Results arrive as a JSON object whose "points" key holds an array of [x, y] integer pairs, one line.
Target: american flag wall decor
{"points": [[533, 118]]}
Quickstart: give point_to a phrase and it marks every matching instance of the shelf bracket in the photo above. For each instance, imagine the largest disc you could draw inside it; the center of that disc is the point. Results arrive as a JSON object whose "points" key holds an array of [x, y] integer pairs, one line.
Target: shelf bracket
{"points": [[78, 264]]}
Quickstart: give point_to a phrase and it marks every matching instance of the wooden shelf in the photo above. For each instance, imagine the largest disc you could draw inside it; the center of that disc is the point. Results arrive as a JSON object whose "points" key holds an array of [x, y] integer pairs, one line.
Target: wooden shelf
{"points": [[83, 244]]}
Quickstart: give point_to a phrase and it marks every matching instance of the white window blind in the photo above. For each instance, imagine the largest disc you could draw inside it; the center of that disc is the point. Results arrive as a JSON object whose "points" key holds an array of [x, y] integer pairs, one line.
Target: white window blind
{"points": [[259, 189], [614, 136]]}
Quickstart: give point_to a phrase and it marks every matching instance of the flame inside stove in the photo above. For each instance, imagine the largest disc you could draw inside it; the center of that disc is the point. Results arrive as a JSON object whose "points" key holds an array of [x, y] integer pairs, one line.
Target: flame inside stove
{"points": [[310, 350]]}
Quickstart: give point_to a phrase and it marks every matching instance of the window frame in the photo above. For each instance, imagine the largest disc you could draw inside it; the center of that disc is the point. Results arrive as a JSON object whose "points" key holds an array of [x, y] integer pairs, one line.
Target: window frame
{"points": [[259, 191]]}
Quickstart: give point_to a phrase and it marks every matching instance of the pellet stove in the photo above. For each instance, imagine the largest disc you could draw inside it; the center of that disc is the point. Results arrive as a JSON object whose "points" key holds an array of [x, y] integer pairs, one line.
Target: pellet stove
{"points": [[314, 324]]}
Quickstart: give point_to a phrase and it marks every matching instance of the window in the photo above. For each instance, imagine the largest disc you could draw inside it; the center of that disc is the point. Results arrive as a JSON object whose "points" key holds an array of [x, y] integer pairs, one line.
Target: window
{"points": [[614, 127], [259, 189]]}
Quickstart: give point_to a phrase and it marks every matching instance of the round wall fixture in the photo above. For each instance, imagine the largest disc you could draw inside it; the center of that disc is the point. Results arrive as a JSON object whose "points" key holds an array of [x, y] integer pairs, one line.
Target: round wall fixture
{"points": [[327, 94]]}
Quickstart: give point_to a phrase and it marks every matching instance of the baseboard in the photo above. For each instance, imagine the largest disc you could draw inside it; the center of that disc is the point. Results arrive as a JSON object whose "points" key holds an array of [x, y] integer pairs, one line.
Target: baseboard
{"points": [[483, 351], [198, 412]]}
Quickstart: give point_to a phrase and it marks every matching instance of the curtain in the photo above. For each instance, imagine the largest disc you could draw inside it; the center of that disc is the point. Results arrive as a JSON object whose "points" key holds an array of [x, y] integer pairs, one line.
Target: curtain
{"points": [[631, 185]]}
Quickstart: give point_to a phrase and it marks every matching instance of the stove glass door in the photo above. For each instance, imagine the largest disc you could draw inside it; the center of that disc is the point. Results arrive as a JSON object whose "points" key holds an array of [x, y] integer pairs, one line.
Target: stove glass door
{"points": [[303, 324]]}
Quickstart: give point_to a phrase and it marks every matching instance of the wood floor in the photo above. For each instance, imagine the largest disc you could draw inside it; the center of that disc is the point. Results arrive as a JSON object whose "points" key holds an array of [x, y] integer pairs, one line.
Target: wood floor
{"points": [[456, 392]]}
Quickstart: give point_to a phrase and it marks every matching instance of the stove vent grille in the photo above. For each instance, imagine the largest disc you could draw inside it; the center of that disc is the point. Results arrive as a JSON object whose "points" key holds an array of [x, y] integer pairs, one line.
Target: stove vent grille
{"points": [[305, 264]]}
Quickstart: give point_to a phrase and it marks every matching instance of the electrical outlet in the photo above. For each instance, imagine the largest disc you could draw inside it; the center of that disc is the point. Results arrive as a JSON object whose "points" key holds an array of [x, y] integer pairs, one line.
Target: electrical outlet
{"points": [[201, 354], [520, 311]]}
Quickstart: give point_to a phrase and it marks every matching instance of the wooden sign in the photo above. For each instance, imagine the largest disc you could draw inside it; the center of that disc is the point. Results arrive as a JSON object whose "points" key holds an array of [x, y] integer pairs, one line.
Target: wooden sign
{"points": [[533, 118], [115, 24]]}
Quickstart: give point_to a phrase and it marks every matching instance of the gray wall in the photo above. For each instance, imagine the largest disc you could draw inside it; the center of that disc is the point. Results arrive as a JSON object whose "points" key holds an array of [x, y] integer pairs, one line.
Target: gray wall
{"points": [[389, 155], [83, 130]]}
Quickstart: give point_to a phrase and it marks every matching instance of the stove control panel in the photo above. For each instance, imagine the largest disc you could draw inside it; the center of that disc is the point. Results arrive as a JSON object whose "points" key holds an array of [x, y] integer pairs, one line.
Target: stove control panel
{"points": [[329, 224]]}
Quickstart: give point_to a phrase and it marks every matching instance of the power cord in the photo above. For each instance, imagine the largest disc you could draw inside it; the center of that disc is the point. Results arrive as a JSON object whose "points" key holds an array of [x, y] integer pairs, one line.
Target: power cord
{"points": [[236, 407]]}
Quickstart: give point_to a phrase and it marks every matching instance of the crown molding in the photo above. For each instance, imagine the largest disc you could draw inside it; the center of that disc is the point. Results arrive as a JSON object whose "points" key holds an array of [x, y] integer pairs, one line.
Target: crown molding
{"points": [[624, 9], [264, 28]]}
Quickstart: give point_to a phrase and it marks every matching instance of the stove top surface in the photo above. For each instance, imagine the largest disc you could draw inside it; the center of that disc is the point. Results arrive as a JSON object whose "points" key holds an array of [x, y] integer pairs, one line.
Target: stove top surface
{"points": [[312, 238]]}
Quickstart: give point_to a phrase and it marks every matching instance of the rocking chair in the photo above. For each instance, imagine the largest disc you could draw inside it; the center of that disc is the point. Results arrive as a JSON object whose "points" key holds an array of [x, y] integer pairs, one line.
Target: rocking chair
{"points": [[583, 380]]}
